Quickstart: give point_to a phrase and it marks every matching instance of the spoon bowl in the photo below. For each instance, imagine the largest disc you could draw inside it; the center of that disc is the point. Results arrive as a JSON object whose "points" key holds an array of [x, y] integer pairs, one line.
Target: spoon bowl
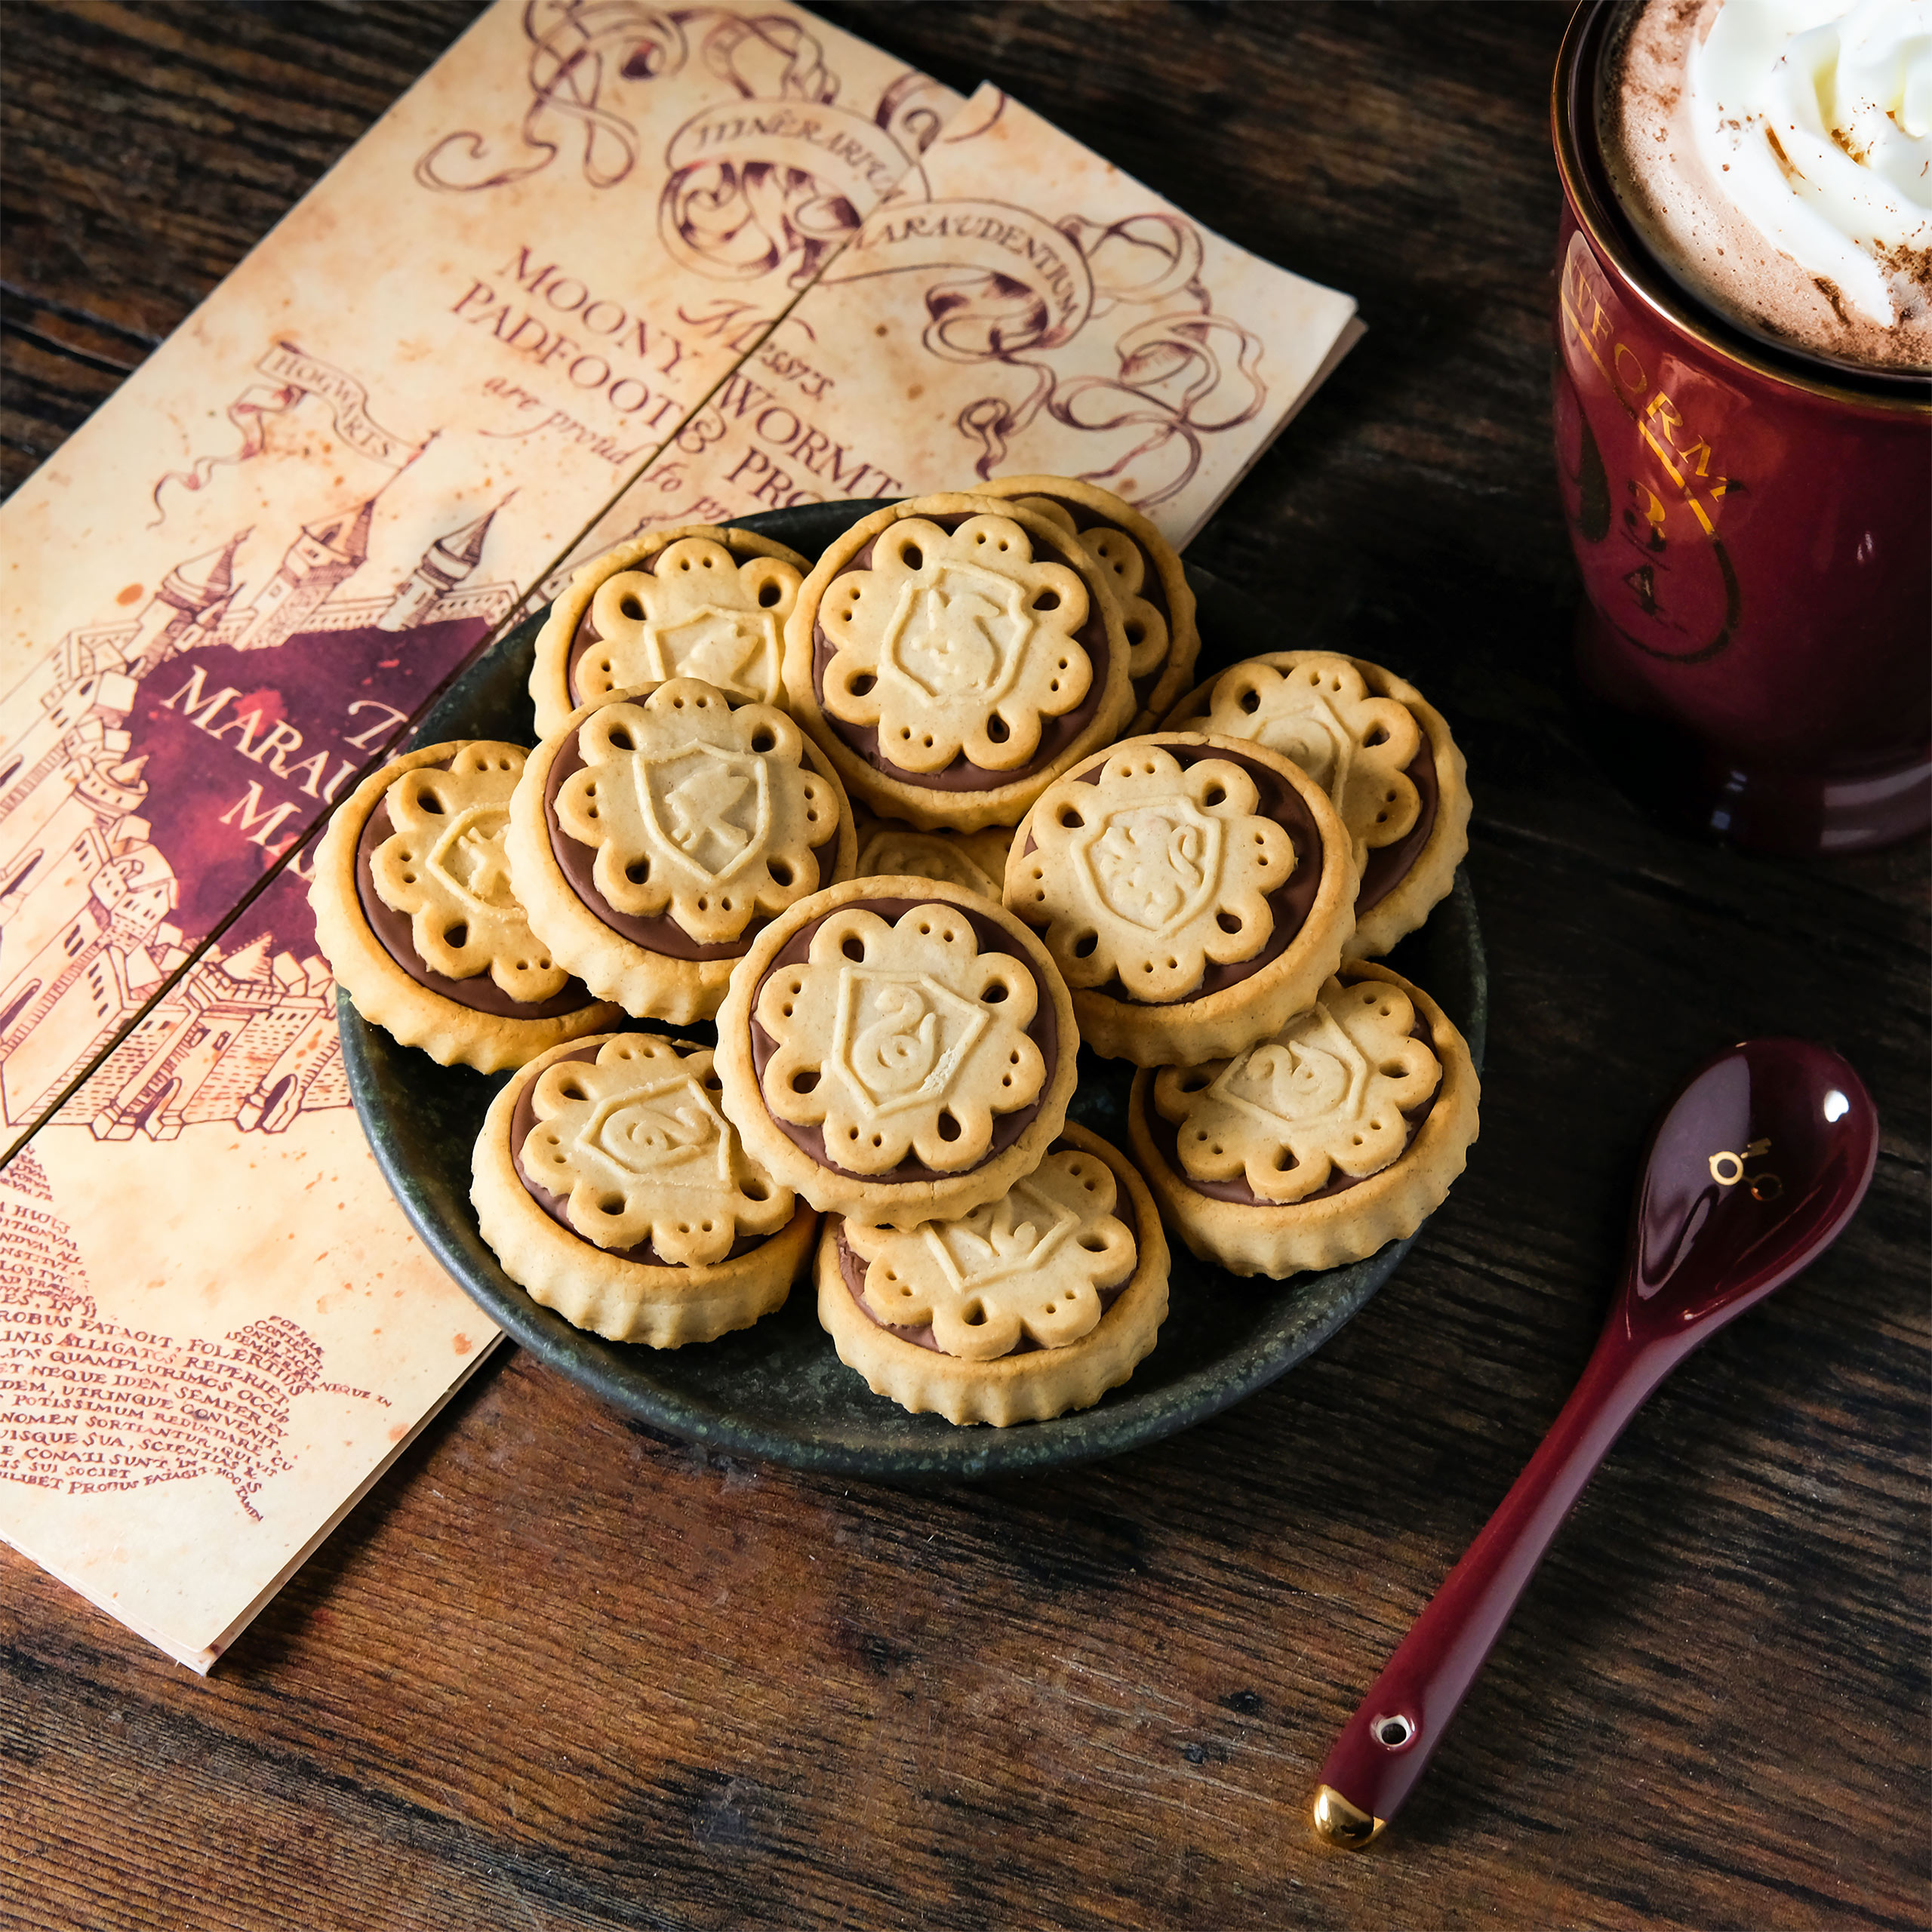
{"points": [[1758, 1162]]}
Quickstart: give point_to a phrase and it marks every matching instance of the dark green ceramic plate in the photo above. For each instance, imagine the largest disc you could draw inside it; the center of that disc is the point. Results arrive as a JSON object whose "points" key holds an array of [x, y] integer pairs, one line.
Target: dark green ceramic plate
{"points": [[777, 1390]]}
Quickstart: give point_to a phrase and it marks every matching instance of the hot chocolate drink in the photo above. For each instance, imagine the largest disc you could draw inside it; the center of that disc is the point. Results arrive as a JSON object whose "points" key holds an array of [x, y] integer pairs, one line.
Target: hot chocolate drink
{"points": [[1776, 158]]}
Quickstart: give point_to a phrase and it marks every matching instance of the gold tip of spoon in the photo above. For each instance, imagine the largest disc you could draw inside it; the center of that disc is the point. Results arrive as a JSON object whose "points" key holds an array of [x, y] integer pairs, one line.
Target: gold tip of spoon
{"points": [[1343, 1824]]}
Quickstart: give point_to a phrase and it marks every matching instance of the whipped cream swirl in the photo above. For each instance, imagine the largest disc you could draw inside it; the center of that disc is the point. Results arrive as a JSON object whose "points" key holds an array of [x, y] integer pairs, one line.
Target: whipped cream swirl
{"points": [[1815, 122]]}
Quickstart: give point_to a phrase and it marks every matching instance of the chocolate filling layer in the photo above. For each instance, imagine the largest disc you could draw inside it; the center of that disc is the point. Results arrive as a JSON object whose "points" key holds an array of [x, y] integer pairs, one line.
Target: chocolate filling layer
{"points": [[523, 1122], [962, 775], [1166, 1136], [852, 1272], [1387, 866], [1086, 517], [1288, 905], [1043, 1031], [661, 933], [479, 993]]}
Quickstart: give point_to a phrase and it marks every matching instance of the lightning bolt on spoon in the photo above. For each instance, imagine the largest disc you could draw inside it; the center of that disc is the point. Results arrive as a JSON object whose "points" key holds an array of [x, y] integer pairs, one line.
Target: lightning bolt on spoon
{"points": [[1757, 1163]]}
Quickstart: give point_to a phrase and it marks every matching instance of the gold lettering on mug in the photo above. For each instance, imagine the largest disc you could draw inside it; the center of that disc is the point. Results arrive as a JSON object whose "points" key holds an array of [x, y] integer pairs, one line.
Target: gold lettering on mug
{"points": [[1640, 380]]}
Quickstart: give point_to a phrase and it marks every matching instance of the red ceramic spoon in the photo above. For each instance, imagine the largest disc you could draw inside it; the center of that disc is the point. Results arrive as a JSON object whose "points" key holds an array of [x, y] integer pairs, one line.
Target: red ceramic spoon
{"points": [[1760, 1161]]}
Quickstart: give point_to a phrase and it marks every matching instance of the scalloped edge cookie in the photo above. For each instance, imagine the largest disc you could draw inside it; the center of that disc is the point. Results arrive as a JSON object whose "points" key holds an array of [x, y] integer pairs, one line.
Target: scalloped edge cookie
{"points": [[903, 1204], [1217, 1025], [1387, 1206], [932, 808], [1430, 878], [1033, 1387], [623, 1301], [549, 675], [450, 1033], [1183, 630], [647, 985]]}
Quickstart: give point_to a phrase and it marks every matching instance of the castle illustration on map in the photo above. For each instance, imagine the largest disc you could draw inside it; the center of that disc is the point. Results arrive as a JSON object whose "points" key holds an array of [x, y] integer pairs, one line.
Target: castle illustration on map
{"points": [[92, 865]]}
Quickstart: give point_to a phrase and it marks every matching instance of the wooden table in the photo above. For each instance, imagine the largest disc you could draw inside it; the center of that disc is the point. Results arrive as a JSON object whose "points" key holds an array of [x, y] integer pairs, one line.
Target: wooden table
{"points": [[559, 1672]]}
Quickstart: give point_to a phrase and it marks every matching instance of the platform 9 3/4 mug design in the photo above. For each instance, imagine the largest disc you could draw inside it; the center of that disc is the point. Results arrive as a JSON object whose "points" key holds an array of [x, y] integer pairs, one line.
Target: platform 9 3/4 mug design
{"points": [[1751, 526]]}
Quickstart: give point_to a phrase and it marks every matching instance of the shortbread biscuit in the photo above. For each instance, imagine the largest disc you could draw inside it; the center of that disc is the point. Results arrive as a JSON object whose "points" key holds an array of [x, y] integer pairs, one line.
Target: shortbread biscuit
{"points": [[415, 914], [898, 1049], [699, 601], [614, 1192], [953, 655], [1157, 605], [1032, 1304], [974, 859], [1341, 1132], [654, 835], [1382, 752], [1194, 891]]}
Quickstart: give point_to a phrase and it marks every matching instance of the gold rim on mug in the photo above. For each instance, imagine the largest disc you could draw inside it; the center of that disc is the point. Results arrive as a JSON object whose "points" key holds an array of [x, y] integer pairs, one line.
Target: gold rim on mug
{"points": [[1890, 392]]}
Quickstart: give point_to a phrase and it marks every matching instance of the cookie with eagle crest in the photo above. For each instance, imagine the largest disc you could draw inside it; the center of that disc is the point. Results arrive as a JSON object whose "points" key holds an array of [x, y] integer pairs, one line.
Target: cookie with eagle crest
{"points": [[614, 1191]]}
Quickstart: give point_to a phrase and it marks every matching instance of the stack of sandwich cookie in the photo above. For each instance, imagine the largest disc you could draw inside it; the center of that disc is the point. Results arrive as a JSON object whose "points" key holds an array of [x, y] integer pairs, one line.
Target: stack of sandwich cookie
{"points": [[902, 977]]}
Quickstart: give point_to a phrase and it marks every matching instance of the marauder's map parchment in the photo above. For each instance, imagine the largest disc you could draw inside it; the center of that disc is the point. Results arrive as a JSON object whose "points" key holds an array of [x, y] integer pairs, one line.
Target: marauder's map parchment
{"points": [[1015, 305], [606, 265]]}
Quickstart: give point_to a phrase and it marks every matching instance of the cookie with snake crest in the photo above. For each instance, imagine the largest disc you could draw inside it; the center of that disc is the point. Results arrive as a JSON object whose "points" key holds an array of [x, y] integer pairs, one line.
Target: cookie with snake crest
{"points": [[418, 917], [898, 1049]]}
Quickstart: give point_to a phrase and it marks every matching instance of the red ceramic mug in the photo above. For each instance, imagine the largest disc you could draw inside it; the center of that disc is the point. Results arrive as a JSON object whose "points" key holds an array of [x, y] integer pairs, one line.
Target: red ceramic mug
{"points": [[1754, 528]]}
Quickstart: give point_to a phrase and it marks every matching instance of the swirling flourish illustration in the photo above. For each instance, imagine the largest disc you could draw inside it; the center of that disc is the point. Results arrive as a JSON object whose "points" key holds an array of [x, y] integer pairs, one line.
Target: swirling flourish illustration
{"points": [[750, 192], [1010, 288]]}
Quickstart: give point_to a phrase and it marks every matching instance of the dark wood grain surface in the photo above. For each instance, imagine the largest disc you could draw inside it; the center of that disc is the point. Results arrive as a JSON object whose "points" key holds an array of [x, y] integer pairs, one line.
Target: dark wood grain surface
{"points": [[557, 1671]]}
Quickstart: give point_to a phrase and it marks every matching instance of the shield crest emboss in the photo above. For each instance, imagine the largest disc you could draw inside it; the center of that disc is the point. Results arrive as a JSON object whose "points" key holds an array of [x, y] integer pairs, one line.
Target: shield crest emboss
{"points": [[669, 1133], [468, 858], [1156, 864], [899, 1038], [735, 650], [710, 807], [961, 635], [993, 1243], [1312, 1070]]}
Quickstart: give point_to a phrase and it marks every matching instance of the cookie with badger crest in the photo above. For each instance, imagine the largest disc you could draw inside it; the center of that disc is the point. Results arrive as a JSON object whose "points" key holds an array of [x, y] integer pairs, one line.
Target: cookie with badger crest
{"points": [[1144, 571], [1340, 1132], [1030, 1305], [1382, 752], [656, 834], [699, 601], [898, 1049], [1194, 891], [953, 655], [417, 915], [614, 1192]]}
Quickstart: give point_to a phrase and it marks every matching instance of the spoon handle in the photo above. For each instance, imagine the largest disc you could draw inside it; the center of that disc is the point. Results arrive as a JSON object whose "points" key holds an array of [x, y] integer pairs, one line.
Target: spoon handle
{"points": [[1384, 1747]]}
